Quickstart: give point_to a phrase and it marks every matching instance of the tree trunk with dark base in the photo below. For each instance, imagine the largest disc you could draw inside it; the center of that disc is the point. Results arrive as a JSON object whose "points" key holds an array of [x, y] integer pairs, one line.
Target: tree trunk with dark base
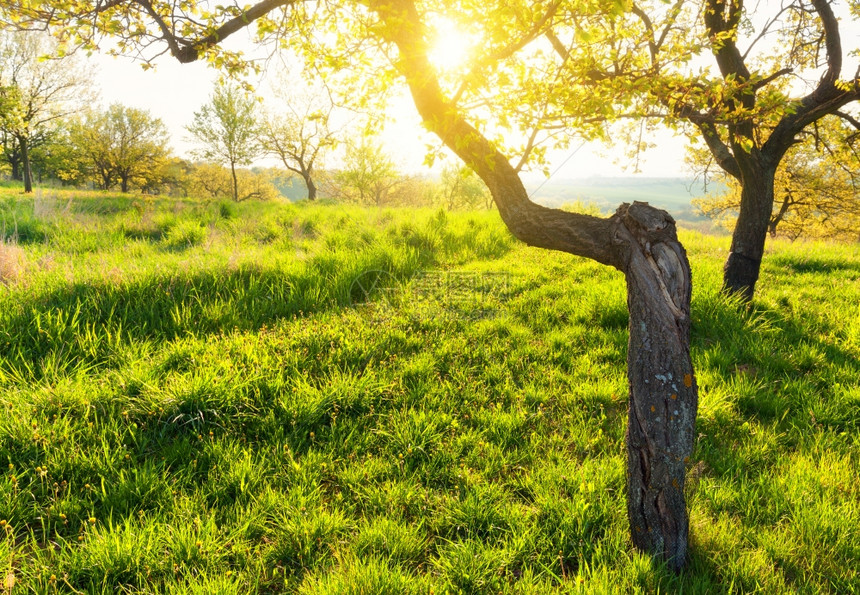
{"points": [[312, 188], [744, 262]]}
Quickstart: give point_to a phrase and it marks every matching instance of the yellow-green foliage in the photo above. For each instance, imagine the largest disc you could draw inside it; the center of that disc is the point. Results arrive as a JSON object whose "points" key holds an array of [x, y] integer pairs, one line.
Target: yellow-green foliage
{"points": [[815, 191]]}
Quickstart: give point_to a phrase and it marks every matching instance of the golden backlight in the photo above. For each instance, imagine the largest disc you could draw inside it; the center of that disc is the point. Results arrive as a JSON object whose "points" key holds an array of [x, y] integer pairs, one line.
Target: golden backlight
{"points": [[450, 47]]}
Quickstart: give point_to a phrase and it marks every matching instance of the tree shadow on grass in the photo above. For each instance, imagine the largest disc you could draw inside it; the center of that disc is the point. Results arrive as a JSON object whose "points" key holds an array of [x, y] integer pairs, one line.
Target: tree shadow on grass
{"points": [[756, 352], [812, 264], [83, 326]]}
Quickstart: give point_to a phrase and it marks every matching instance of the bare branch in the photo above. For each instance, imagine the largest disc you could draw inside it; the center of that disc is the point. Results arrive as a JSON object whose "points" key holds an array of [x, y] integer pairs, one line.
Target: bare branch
{"points": [[769, 79], [646, 20], [848, 118], [192, 52], [557, 45]]}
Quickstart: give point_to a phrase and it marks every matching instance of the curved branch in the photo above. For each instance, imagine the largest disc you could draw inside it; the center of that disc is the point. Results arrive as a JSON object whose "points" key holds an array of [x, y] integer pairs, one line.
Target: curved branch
{"points": [[769, 79], [192, 51], [534, 224], [832, 41]]}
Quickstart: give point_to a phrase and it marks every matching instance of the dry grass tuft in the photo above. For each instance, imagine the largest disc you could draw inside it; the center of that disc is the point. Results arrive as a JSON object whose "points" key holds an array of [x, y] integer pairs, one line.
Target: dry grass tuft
{"points": [[12, 262]]}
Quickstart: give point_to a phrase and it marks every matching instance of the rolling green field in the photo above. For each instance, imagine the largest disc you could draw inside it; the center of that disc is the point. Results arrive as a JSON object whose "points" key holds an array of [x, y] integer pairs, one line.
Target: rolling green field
{"points": [[290, 398]]}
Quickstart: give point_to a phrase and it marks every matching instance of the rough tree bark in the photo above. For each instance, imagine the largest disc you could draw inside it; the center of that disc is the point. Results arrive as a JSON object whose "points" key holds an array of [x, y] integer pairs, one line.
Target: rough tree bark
{"points": [[663, 393], [638, 240]]}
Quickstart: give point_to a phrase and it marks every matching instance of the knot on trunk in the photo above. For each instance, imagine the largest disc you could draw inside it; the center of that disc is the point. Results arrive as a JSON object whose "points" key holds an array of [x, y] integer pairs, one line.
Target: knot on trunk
{"points": [[646, 223], [651, 245]]}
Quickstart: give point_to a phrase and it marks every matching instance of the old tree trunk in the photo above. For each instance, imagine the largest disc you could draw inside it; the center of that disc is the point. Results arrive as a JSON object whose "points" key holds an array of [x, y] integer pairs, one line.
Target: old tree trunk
{"points": [[638, 240], [663, 395]]}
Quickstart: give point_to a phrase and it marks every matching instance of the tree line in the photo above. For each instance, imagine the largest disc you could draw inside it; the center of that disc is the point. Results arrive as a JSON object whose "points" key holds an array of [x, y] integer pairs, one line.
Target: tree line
{"points": [[51, 132]]}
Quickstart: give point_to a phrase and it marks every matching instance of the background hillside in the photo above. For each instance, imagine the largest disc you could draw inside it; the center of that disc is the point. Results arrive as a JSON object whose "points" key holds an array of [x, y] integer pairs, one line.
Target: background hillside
{"points": [[673, 194]]}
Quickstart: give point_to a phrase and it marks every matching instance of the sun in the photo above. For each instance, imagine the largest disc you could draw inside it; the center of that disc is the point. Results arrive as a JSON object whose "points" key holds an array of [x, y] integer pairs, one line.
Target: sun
{"points": [[450, 46]]}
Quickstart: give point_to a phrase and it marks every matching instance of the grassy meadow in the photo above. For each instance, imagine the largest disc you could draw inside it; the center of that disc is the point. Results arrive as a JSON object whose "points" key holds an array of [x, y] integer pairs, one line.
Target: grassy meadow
{"points": [[291, 398]]}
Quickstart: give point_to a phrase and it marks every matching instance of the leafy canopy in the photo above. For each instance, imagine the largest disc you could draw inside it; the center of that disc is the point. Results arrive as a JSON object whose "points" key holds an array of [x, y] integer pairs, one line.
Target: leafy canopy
{"points": [[537, 71]]}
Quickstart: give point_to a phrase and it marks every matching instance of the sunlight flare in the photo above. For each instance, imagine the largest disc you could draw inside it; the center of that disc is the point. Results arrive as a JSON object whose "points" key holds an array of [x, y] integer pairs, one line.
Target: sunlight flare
{"points": [[450, 46]]}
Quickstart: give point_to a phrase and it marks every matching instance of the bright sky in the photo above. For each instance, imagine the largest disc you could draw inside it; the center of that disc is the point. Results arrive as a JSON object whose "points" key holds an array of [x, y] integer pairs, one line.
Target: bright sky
{"points": [[174, 91]]}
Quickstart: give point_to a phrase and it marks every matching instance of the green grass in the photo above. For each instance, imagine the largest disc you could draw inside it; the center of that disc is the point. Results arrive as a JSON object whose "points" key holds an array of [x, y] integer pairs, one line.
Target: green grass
{"points": [[197, 399]]}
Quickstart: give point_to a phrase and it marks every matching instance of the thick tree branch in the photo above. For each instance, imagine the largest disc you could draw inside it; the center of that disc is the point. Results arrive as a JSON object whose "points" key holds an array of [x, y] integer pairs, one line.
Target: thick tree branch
{"points": [[557, 45], [832, 42], [192, 52], [824, 100], [770, 78], [166, 33], [536, 225], [722, 32], [721, 152]]}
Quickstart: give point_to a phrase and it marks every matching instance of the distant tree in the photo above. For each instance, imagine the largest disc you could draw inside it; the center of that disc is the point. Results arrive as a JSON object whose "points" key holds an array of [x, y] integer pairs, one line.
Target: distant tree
{"points": [[37, 89], [226, 130], [12, 148], [211, 180], [300, 134], [176, 178], [369, 175], [462, 188], [125, 145], [816, 187], [59, 159]]}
